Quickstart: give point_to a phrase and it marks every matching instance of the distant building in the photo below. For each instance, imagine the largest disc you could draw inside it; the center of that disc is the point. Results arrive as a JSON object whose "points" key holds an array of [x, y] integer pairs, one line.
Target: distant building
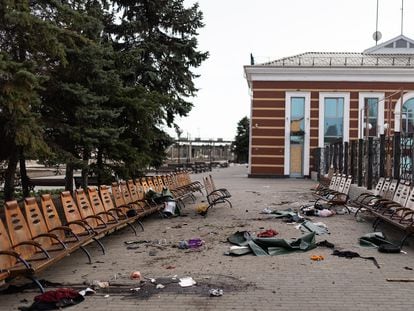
{"points": [[305, 101]]}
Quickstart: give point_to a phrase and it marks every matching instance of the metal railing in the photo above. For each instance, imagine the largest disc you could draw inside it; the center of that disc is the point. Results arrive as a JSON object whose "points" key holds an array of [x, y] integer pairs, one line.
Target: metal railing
{"points": [[369, 159]]}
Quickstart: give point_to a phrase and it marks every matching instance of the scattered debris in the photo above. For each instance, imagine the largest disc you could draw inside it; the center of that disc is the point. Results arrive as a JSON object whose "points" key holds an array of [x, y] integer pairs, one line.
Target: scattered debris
{"points": [[324, 212], [378, 240], [187, 282], [408, 268], [55, 299], [267, 234], [133, 247], [350, 255], [202, 208], [135, 275], [106, 296], [319, 228], [215, 292], [137, 242], [325, 243], [400, 280], [99, 284], [159, 286], [87, 291], [317, 257], [191, 244], [270, 246]]}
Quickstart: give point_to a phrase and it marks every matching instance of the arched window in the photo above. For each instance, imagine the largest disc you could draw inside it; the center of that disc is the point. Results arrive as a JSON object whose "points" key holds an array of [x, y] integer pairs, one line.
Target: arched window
{"points": [[407, 116]]}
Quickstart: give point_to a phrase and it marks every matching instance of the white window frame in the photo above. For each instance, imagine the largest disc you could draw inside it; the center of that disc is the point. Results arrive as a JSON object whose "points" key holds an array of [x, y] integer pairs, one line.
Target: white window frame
{"points": [[361, 111], [322, 96], [306, 143], [397, 111]]}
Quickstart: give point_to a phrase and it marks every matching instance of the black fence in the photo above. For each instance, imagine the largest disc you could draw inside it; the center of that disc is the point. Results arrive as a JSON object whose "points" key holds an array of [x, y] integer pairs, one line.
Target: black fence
{"points": [[369, 159]]}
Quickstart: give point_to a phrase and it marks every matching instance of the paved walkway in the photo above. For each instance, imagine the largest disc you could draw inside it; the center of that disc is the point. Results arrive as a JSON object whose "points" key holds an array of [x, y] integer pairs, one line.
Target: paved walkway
{"points": [[287, 282]]}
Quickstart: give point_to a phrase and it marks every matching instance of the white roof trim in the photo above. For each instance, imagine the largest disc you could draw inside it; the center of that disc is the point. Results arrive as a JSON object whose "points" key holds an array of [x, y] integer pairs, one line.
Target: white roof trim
{"points": [[256, 73]]}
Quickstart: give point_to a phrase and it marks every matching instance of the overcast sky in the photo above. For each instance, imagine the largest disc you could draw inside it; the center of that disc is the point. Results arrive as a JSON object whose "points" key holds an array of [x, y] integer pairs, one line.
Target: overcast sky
{"points": [[272, 29]]}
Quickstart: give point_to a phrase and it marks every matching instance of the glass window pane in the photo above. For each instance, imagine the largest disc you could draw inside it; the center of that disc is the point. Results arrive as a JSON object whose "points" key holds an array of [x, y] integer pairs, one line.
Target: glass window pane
{"points": [[334, 119], [371, 107], [408, 116], [297, 114]]}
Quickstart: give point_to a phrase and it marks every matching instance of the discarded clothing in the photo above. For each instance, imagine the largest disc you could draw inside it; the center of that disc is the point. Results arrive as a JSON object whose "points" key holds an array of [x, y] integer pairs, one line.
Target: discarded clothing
{"points": [[324, 213], [378, 240], [192, 244], [268, 246], [318, 228], [325, 243], [55, 299], [350, 255], [288, 214], [159, 197], [267, 234]]}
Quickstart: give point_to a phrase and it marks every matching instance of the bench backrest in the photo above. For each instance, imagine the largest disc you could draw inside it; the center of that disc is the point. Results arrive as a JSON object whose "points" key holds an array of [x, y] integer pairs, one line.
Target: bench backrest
{"points": [[385, 187], [332, 182], [150, 183], [379, 186], [140, 189], [71, 211], [85, 208], [342, 183], [18, 229], [106, 198], [36, 222], [410, 200], [133, 190], [347, 186], [96, 203], [338, 182], [402, 192], [117, 194], [5, 245], [125, 192], [391, 189], [49, 212]]}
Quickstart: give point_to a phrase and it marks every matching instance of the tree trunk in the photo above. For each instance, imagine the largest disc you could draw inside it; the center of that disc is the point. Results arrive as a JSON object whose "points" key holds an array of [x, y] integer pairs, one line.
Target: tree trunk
{"points": [[69, 177], [9, 177], [85, 169], [99, 163], [23, 174]]}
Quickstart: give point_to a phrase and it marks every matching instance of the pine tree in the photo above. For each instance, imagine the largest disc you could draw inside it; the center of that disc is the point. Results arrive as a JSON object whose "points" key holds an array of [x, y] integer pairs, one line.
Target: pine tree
{"points": [[156, 48], [30, 43], [241, 141], [79, 98]]}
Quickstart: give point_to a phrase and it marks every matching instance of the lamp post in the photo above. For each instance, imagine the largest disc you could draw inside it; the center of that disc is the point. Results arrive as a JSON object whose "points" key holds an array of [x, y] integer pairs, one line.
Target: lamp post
{"points": [[179, 131]]}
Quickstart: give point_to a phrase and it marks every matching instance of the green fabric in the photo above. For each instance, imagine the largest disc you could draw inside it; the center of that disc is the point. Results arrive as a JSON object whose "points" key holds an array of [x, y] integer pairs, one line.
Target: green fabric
{"points": [[284, 213], [269, 246], [373, 239], [158, 197], [311, 227]]}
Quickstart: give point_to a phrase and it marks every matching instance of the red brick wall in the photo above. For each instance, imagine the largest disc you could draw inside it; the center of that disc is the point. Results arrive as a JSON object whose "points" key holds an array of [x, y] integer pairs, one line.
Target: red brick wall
{"points": [[268, 116]]}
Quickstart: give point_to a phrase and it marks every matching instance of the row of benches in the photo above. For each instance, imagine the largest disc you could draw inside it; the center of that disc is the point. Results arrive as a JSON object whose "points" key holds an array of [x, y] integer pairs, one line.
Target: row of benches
{"points": [[336, 193], [36, 237], [393, 202]]}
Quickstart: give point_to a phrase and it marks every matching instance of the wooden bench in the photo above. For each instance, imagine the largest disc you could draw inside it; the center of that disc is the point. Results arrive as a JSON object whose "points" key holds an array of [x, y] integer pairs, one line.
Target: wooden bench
{"points": [[398, 212]]}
